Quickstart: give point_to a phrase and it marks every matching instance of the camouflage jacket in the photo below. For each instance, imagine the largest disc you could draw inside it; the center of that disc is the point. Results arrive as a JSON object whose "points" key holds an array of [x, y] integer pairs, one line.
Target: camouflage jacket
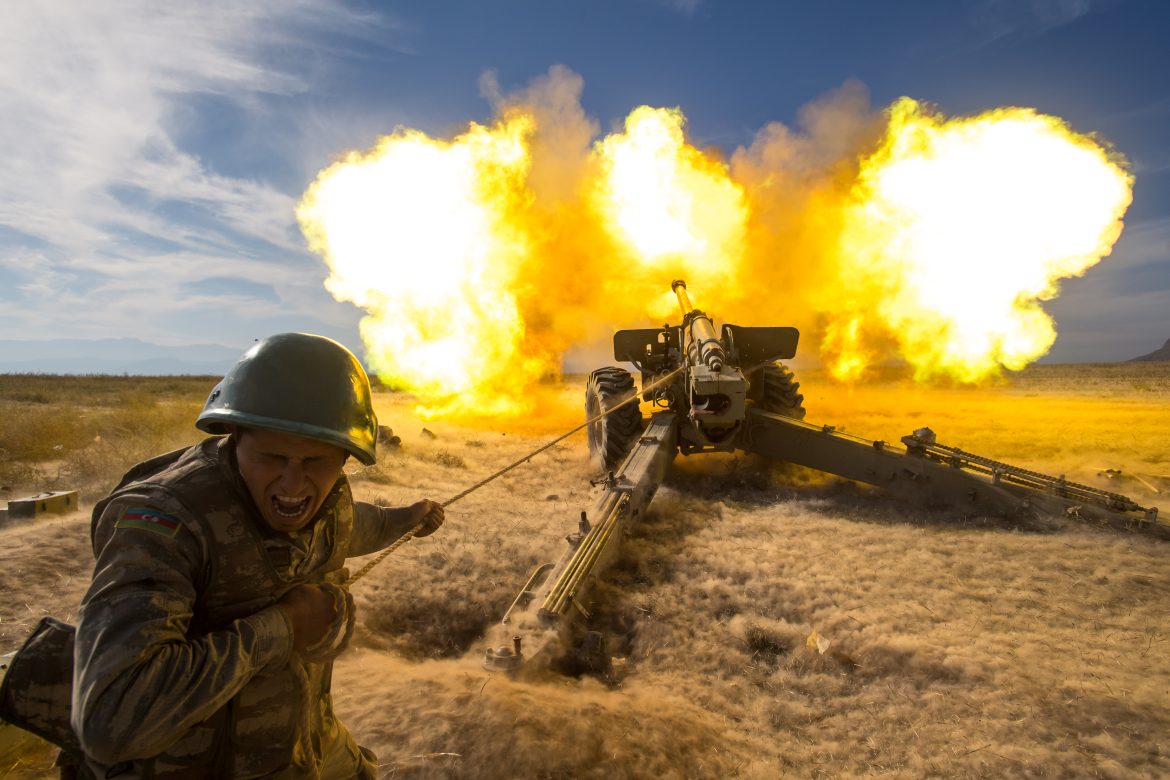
{"points": [[182, 661]]}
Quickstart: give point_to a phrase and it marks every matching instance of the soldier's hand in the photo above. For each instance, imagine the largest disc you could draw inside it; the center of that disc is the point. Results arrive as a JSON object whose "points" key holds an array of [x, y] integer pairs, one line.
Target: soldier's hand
{"points": [[311, 612], [429, 513]]}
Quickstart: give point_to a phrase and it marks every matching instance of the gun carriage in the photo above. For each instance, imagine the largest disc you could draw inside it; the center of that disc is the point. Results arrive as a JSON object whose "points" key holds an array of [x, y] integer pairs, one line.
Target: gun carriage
{"points": [[731, 392]]}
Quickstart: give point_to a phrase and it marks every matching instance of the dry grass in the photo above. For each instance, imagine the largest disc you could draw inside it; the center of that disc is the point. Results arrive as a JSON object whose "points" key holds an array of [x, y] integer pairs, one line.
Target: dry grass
{"points": [[955, 649], [80, 432]]}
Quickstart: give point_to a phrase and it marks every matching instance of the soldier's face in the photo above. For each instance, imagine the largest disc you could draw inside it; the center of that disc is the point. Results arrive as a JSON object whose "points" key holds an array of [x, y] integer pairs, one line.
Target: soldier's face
{"points": [[288, 476]]}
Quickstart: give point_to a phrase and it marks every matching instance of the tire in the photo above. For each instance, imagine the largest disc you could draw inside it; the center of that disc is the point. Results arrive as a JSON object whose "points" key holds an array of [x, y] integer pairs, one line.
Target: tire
{"points": [[612, 437], [774, 389]]}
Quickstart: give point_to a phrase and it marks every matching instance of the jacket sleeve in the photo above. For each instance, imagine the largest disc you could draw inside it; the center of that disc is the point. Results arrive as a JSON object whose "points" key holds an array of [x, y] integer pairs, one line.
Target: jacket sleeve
{"points": [[140, 681], [376, 527]]}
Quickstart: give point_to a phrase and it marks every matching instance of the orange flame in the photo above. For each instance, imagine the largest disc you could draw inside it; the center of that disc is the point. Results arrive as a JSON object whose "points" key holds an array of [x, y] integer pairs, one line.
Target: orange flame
{"points": [[673, 208], [419, 233], [956, 229], [482, 259]]}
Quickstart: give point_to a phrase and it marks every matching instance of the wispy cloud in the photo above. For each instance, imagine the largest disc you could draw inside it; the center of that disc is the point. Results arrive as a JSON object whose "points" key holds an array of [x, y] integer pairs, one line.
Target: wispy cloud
{"points": [[995, 19], [103, 188], [684, 7]]}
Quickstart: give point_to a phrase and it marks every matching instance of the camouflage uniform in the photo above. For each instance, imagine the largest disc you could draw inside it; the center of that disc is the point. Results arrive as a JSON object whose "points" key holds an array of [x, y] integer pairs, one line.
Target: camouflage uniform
{"points": [[183, 662]]}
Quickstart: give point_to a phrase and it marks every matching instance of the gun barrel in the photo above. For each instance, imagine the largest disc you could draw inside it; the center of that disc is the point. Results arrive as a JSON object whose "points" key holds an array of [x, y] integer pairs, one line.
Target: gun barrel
{"points": [[703, 347], [684, 301]]}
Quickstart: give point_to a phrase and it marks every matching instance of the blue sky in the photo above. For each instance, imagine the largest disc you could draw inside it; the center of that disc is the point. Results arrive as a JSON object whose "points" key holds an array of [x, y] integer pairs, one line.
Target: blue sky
{"points": [[152, 153]]}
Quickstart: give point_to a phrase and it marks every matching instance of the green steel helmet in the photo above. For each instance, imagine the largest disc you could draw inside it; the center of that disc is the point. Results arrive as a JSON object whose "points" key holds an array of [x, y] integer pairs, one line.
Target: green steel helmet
{"points": [[301, 384]]}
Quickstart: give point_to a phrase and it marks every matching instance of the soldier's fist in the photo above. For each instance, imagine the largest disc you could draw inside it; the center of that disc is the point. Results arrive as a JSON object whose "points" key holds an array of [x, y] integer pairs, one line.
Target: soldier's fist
{"points": [[429, 513], [311, 611]]}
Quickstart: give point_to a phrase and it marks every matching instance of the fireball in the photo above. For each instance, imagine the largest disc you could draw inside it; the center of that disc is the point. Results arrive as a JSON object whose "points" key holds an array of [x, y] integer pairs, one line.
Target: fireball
{"points": [[957, 230], [675, 209], [420, 234], [934, 246]]}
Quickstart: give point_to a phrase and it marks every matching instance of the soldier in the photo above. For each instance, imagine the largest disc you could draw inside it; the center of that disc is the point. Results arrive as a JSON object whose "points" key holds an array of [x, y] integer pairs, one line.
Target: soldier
{"points": [[205, 643]]}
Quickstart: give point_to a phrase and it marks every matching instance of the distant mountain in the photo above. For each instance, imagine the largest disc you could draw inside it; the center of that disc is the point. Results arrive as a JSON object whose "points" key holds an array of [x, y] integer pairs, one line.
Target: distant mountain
{"points": [[113, 356], [1158, 354]]}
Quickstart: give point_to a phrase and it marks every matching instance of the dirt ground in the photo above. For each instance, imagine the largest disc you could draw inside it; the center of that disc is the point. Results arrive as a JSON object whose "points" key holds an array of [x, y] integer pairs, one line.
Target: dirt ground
{"points": [[957, 646]]}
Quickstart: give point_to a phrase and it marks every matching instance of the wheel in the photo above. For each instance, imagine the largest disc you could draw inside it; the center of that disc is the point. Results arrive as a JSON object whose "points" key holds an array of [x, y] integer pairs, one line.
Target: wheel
{"points": [[774, 389], [612, 437]]}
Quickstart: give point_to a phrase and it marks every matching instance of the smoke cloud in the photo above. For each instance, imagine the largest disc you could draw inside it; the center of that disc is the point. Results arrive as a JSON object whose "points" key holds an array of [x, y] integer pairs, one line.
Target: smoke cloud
{"points": [[485, 259]]}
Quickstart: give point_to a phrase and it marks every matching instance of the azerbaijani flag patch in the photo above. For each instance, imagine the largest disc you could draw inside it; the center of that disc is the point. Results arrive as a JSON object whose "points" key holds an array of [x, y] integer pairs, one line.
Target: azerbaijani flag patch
{"points": [[147, 519]]}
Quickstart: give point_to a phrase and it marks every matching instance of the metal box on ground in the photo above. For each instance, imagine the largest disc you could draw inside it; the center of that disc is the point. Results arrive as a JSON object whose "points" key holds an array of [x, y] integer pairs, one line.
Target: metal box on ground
{"points": [[51, 503]]}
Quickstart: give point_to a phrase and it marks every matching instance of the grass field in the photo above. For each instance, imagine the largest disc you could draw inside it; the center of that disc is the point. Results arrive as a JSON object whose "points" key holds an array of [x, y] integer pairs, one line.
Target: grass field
{"points": [[958, 647]]}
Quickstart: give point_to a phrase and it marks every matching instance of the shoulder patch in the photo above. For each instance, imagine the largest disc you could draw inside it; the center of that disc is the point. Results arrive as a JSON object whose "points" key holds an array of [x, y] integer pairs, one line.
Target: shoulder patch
{"points": [[147, 519]]}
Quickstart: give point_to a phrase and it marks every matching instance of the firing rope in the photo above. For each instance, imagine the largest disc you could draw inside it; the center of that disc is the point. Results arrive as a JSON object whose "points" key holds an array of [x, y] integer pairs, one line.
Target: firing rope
{"points": [[406, 537]]}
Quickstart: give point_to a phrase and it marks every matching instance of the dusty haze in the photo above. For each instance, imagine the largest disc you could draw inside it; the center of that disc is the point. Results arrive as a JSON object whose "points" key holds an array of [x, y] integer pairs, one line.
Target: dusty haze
{"points": [[958, 647]]}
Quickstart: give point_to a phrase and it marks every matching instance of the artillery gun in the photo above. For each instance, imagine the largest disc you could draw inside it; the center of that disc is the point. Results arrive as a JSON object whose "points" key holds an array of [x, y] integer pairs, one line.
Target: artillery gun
{"points": [[726, 393]]}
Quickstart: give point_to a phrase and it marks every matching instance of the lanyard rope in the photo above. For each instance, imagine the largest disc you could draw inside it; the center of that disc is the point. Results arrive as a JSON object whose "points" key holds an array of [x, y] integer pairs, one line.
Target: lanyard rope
{"points": [[406, 537]]}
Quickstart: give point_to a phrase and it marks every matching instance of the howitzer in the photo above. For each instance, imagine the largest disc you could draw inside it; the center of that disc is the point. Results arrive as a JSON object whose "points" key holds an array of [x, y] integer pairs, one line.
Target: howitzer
{"points": [[726, 393]]}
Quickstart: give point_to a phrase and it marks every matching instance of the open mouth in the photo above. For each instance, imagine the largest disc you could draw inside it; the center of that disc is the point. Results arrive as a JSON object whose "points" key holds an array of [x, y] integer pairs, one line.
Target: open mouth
{"points": [[289, 506]]}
